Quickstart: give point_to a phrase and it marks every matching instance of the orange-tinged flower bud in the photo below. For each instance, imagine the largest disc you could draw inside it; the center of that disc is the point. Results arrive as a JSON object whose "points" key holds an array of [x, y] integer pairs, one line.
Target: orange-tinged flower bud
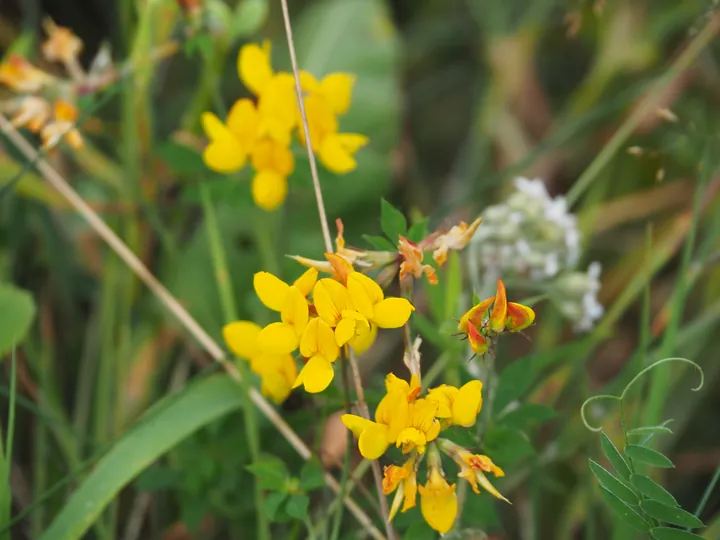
{"points": [[519, 317], [478, 343], [499, 312]]}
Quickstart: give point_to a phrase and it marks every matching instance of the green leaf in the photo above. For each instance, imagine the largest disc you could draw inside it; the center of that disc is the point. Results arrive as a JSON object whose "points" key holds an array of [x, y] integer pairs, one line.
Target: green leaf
{"points": [[181, 159], [668, 533], [270, 471], [297, 506], [650, 430], [615, 457], [17, 311], [515, 380], [527, 416], [418, 230], [273, 502], [312, 475], [248, 18], [613, 485], [624, 512], [166, 424], [379, 242], [648, 456], [670, 514], [512, 445], [652, 490], [392, 221]]}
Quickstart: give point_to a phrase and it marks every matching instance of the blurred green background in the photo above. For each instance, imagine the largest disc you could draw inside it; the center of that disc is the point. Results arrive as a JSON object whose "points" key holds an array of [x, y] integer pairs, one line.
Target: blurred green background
{"points": [[457, 98]]}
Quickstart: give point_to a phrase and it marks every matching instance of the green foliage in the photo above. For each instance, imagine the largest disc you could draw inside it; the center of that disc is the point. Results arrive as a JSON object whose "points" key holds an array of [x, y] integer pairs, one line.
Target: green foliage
{"points": [[627, 513], [670, 514], [17, 311], [621, 490], [666, 533], [647, 456], [392, 221], [652, 490], [615, 457]]}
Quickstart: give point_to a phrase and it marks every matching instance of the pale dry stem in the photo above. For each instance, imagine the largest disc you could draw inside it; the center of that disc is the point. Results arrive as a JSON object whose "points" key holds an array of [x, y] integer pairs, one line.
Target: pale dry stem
{"points": [[308, 141], [172, 304], [357, 380]]}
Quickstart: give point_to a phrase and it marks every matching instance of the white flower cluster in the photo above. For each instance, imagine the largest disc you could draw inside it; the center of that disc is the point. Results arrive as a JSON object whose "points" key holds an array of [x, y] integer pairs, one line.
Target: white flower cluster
{"points": [[534, 236]]}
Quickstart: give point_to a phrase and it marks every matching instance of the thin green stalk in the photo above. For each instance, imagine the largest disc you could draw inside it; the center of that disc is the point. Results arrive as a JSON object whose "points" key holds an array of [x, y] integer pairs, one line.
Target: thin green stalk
{"points": [[334, 535], [227, 299], [708, 491], [265, 238], [40, 453], [653, 100], [661, 381], [6, 508]]}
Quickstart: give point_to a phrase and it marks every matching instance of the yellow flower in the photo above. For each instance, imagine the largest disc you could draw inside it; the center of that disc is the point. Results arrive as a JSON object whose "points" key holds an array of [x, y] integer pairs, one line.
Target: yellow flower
{"points": [[404, 479], [33, 112], [473, 467], [273, 163], [335, 150], [335, 89], [455, 239], [231, 143], [422, 427], [391, 418], [369, 300], [269, 189], [284, 337], [63, 125], [333, 306], [21, 76], [62, 45], [277, 101], [317, 344], [277, 372], [438, 501], [412, 264], [457, 406]]}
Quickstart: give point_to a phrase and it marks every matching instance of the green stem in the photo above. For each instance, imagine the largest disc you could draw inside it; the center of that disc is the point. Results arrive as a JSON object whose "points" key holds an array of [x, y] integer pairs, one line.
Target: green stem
{"points": [[227, 299], [346, 463], [265, 237], [708, 491]]}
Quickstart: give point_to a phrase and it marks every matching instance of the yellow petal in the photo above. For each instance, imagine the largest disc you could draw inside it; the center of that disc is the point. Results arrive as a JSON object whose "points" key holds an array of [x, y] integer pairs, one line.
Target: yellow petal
{"points": [[392, 312], [309, 338], [439, 507], [278, 372], [278, 102], [364, 340], [356, 424], [337, 90], [278, 338], [393, 383], [275, 386], [364, 293], [519, 317], [224, 156], [410, 439], [467, 404], [213, 126], [270, 155], [352, 142], [334, 156], [307, 281], [308, 82], [498, 316], [373, 441], [243, 121], [316, 375], [241, 338], [254, 67], [327, 346], [295, 311], [269, 190], [330, 298], [271, 290], [344, 331]]}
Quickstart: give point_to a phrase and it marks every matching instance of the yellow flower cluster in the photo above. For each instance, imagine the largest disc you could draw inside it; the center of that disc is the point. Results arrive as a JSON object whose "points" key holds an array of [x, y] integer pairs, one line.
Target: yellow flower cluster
{"points": [[261, 130], [340, 313], [55, 121], [413, 424]]}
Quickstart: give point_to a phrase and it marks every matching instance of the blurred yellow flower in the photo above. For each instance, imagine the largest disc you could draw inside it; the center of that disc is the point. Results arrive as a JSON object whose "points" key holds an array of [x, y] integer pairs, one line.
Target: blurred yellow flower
{"points": [[277, 371], [61, 126], [21, 76], [335, 150], [61, 45], [33, 112]]}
